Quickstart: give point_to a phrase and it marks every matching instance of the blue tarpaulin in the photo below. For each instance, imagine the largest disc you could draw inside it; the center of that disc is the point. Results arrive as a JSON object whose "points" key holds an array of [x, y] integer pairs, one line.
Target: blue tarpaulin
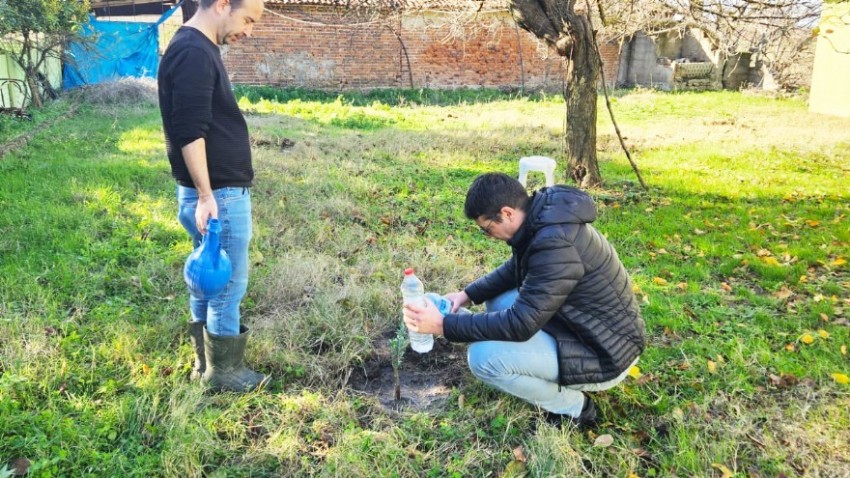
{"points": [[121, 49]]}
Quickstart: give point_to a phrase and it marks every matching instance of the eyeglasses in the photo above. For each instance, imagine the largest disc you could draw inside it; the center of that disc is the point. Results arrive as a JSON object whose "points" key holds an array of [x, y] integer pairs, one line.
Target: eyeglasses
{"points": [[486, 229]]}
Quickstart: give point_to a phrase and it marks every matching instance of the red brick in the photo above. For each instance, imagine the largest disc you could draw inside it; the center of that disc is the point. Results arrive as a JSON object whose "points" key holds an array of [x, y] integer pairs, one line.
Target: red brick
{"points": [[338, 51]]}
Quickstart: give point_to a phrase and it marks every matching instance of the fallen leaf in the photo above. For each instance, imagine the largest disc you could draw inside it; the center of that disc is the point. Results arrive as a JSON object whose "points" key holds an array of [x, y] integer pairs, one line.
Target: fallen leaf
{"points": [[644, 379], [634, 372], [813, 223], [841, 378], [823, 334], [824, 317], [20, 467], [712, 367], [146, 369], [632, 475], [699, 232], [515, 468], [604, 441], [727, 473], [726, 287], [519, 454], [659, 281], [839, 262], [790, 347], [783, 293], [784, 380], [770, 261], [641, 453], [682, 286], [764, 253], [843, 350]]}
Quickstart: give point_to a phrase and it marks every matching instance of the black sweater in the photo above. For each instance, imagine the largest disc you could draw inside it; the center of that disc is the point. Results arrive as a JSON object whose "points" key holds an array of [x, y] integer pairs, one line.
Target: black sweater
{"points": [[196, 101], [571, 284]]}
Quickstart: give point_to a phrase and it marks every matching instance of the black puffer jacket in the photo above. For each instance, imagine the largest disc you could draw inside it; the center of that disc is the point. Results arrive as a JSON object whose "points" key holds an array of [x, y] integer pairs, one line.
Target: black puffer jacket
{"points": [[571, 284]]}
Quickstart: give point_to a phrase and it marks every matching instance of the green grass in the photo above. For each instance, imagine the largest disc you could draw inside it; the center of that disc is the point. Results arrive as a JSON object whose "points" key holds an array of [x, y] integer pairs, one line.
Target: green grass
{"points": [[738, 251]]}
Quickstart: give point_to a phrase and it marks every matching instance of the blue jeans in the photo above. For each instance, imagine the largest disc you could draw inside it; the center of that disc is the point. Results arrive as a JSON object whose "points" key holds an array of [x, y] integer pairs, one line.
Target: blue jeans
{"points": [[529, 370], [234, 212]]}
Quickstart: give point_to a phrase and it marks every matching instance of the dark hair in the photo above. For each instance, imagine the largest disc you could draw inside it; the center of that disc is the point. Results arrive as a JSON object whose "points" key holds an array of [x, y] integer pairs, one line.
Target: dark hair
{"points": [[204, 4], [490, 192]]}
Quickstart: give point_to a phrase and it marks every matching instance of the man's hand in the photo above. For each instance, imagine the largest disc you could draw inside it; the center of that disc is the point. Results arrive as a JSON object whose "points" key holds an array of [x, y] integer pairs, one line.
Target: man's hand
{"points": [[207, 208], [459, 299], [425, 320]]}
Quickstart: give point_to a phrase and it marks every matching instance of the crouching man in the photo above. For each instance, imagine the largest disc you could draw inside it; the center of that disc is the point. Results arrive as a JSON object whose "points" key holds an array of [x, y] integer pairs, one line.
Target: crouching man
{"points": [[561, 317]]}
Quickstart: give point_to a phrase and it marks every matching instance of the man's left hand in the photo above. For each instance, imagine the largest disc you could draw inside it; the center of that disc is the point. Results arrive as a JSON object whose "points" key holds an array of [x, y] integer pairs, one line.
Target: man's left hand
{"points": [[425, 320]]}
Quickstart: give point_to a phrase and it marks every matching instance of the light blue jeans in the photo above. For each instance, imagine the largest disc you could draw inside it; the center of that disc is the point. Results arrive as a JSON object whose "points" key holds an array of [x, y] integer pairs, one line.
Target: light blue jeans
{"points": [[234, 212], [529, 370]]}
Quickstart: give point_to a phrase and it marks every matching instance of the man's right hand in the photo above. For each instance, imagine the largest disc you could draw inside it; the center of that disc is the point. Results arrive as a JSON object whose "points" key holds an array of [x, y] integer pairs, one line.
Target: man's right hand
{"points": [[459, 299], [207, 208]]}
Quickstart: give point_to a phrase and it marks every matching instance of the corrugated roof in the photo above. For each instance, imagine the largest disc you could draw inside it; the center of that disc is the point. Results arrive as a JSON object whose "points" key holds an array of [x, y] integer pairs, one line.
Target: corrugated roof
{"points": [[403, 4]]}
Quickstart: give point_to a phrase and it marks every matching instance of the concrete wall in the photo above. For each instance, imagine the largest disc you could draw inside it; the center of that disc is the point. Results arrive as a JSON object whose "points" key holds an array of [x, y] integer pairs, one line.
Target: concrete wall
{"points": [[642, 65], [647, 61], [831, 76], [330, 48]]}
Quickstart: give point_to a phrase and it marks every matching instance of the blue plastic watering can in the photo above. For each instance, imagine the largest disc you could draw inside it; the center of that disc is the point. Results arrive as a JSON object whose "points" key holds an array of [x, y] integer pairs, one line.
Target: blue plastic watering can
{"points": [[208, 268]]}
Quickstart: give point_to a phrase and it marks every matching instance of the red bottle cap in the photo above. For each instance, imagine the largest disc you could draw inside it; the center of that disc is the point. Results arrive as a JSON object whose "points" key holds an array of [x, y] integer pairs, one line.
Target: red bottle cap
{"points": [[408, 271]]}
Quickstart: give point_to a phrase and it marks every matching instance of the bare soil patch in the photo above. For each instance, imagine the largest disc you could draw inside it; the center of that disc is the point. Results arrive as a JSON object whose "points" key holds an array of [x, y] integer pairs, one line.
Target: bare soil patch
{"points": [[426, 379]]}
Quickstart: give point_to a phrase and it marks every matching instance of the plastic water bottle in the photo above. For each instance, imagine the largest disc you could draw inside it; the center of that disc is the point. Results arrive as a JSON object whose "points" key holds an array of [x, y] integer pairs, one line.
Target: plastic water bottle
{"points": [[413, 292]]}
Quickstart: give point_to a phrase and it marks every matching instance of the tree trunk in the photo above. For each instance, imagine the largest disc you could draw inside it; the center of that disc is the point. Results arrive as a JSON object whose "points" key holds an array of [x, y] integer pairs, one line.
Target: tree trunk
{"points": [[571, 35], [35, 91], [30, 71], [580, 97]]}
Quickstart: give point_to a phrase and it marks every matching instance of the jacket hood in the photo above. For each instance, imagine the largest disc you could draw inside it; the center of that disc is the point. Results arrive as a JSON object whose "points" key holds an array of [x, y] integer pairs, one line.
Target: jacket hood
{"points": [[556, 205], [561, 205]]}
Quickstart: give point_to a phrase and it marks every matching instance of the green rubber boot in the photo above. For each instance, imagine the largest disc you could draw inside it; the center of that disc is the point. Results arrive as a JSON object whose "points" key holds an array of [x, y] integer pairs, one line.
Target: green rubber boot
{"points": [[226, 370], [196, 338]]}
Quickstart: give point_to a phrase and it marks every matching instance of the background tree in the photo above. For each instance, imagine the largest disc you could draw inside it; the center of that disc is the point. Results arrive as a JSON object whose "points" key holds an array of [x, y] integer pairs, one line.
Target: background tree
{"points": [[31, 31], [571, 34], [778, 31]]}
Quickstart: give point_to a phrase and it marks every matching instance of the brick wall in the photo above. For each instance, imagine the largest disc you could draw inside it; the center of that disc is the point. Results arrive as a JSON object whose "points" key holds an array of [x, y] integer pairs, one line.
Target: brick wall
{"points": [[322, 47]]}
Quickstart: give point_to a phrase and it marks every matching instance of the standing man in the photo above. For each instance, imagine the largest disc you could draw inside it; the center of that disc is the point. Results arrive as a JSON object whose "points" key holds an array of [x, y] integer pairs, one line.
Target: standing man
{"points": [[207, 142], [561, 316]]}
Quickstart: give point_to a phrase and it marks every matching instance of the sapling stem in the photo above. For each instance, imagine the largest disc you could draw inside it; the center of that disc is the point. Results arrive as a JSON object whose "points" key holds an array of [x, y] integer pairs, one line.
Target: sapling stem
{"points": [[398, 345]]}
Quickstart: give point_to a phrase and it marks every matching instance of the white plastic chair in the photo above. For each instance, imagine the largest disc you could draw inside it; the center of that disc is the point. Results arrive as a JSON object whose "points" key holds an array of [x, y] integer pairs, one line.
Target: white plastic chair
{"points": [[543, 164]]}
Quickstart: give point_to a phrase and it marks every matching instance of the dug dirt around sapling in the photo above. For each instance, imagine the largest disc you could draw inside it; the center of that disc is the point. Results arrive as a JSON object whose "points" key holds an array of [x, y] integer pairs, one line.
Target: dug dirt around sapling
{"points": [[426, 379]]}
